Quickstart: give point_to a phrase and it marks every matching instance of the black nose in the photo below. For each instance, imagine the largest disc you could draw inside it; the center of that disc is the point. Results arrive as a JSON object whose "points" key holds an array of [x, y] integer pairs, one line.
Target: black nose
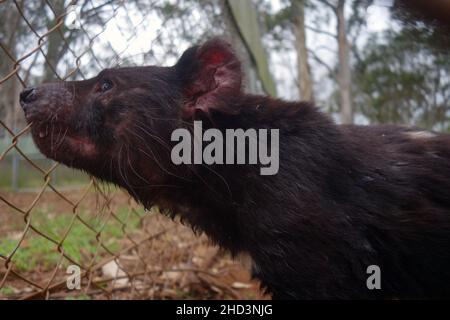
{"points": [[28, 95]]}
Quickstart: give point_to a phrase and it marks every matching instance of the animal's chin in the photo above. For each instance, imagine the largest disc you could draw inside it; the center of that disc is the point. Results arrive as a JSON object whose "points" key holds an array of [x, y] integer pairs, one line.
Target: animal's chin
{"points": [[65, 147]]}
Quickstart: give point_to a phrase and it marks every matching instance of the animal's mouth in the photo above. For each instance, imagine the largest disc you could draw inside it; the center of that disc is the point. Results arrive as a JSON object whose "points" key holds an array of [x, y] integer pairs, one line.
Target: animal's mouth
{"points": [[62, 143], [33, 113], [52, 130]]}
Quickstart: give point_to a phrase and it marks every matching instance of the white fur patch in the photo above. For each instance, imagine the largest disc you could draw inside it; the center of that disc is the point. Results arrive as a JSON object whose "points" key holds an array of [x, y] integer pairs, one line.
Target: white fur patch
{"points": [[420, 134]]}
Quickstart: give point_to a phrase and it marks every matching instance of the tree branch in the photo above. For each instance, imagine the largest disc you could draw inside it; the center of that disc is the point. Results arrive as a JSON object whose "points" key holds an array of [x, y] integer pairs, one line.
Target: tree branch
{"points": [[328, 4], [323, 63], [333, 51], [321, 31]]}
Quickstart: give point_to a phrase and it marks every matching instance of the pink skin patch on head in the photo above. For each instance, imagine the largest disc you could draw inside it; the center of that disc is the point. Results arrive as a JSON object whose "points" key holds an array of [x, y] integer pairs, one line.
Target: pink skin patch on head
{"points": [[218, 76], [215, 58]]}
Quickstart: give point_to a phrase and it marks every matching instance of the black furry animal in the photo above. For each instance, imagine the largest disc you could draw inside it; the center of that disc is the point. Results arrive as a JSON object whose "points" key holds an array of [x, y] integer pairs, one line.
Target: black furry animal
{"points": [[345, 197]]}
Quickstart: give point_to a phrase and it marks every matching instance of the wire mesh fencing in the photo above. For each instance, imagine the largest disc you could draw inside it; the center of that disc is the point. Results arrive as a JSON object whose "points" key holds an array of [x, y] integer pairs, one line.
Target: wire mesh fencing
{"points": [[78, 239]]}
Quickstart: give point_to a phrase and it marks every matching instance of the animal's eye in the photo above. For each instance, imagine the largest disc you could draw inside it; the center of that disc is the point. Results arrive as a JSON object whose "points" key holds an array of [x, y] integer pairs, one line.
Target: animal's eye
{"points": [[106, 85]]}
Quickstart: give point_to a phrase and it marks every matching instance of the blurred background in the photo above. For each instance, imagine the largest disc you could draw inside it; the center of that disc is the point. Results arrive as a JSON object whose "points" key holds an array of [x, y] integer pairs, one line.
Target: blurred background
{"points": [[361, 61]]}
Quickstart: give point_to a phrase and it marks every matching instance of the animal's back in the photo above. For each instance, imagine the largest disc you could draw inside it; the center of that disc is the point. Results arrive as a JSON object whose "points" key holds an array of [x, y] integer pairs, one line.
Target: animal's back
{"points": [[407, 174]]}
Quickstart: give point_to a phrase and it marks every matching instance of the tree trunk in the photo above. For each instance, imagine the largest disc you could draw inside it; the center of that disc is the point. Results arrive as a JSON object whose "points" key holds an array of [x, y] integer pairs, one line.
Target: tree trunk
{"points": [[344, 76], [231, 33], [9, 89], [304, 72], [55, 44]]}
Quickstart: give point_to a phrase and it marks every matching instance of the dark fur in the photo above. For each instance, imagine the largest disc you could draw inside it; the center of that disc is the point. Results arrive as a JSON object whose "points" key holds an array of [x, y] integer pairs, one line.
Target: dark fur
{"points": [[345, 197]]}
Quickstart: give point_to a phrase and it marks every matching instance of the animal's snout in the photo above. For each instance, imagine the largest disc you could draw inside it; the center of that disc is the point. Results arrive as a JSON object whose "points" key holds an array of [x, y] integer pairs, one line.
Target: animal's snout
{"points": [[28, 95]]}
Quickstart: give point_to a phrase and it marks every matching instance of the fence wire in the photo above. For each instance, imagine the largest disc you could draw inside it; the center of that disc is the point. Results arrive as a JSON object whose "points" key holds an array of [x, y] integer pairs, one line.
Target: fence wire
{"points": [[120, 249]]}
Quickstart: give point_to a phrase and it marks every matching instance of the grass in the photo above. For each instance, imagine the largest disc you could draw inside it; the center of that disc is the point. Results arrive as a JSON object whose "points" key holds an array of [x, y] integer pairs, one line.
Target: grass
{"points": [[6, 291], [36, 253]]}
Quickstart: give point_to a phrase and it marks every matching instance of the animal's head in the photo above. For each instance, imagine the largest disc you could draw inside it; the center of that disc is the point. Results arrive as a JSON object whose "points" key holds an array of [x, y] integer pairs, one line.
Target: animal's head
{"points": [[117, 126]]}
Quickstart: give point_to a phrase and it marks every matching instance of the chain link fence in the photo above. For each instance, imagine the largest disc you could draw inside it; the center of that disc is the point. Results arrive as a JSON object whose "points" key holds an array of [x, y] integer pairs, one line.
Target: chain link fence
{"points": [[73, 238]]}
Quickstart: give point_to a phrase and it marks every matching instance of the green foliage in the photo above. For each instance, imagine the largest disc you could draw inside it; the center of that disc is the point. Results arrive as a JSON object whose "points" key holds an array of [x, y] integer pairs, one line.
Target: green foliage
{"points": [[401, 78]]}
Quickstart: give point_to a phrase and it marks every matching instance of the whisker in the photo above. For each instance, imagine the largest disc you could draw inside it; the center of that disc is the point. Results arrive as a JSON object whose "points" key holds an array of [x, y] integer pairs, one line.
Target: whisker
{"points": [[132, 168], [62, 140], [153, 156], [193, 171]]}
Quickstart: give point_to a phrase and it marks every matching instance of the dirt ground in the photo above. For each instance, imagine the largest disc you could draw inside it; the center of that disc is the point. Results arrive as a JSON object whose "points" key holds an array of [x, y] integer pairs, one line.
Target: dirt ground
{"points": [[156, 258]]}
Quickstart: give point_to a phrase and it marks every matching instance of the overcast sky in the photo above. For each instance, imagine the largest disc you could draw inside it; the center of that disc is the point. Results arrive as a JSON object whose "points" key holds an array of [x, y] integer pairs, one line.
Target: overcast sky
{"points": [[283, 65]]}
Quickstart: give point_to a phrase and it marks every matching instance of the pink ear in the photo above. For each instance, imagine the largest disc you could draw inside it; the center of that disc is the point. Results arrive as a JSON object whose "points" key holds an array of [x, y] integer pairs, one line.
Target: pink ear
{"points": [[214, 81]]}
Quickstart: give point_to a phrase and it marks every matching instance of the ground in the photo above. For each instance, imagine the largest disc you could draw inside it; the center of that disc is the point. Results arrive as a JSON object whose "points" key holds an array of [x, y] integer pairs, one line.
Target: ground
{"points": [[128, 253]]}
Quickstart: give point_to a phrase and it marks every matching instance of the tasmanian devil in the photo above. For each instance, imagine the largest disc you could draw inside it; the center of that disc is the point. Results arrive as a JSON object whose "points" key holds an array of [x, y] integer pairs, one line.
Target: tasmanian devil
{"points": [[344, 200]]}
